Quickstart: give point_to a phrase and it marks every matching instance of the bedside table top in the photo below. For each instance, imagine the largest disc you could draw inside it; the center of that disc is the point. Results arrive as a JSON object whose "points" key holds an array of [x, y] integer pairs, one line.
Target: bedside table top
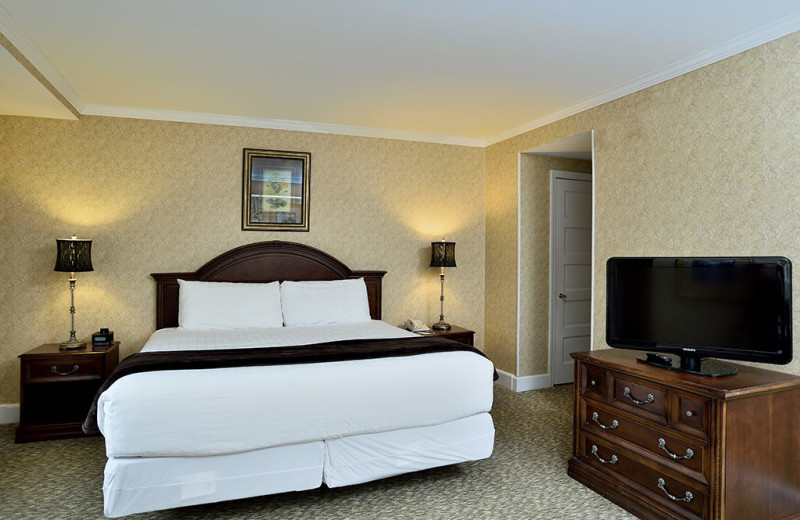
{"points": [[54, 349], [454, 329]]}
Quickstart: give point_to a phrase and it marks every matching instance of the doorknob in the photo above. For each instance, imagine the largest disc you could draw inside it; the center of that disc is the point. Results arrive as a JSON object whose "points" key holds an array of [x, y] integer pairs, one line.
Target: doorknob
{"points": [[562, 296]]}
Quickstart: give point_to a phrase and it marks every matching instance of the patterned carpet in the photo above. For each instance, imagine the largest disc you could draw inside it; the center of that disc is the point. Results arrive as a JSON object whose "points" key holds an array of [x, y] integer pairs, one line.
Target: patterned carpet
{"points": [[525, 478]]}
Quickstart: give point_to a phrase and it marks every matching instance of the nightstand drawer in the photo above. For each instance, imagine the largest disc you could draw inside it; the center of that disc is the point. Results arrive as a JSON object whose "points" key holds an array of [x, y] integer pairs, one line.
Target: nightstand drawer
{"points": [[52, 370], [461, 338], [459, 334]]}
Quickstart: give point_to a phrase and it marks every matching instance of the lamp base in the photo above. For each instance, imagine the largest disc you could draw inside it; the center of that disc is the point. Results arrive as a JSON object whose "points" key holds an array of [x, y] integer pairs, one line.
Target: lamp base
{"points": [[441, 326], [70, 345]]}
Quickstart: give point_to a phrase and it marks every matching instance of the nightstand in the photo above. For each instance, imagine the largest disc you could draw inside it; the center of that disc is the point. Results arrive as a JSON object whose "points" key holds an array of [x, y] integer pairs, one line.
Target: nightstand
{"points": [[57, 388], [459, 334]]}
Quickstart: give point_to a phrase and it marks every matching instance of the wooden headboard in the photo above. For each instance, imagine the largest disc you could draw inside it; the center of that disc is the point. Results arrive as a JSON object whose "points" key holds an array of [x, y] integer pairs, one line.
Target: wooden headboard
{"points": [[263, 262]]}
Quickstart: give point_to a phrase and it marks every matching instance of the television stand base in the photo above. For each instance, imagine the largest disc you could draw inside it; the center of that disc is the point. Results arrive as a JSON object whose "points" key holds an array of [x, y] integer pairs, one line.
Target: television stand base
{"points": [[710, 367]]}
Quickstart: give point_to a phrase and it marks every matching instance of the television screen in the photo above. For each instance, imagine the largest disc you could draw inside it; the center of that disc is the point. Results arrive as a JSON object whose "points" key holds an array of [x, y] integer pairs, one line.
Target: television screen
{"points": [[734, 308]]}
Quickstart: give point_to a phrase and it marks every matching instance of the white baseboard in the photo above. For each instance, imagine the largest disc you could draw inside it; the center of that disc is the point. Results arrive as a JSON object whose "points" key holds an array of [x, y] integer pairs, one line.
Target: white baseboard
{"points": [[505, 379], [9, 413], [525, 383]]}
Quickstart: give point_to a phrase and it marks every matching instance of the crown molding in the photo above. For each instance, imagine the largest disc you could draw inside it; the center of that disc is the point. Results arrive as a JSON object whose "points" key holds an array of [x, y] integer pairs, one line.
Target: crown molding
{"points": [[276, 124], [28, 51], [747, 41]]}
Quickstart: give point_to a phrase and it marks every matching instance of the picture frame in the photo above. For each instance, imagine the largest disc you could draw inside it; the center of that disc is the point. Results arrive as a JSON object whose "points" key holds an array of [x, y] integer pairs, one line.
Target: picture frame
{"points": [[275, 190]]}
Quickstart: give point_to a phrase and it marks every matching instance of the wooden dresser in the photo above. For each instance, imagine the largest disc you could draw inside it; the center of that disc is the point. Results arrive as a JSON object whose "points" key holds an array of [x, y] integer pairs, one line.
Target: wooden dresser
{"points": [[667, 444]]}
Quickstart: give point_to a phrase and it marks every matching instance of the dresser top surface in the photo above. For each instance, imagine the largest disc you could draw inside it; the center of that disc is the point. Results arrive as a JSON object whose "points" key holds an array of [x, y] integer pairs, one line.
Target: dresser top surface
{"points": [[747, 381]]}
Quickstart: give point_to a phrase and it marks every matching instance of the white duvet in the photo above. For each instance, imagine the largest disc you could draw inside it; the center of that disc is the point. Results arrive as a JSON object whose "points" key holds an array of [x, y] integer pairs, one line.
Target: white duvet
{"points": [[219, 411]]}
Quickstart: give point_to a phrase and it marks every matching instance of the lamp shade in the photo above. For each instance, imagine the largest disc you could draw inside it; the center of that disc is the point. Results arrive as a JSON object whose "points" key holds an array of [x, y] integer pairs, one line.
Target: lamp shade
{"points": [[74, 255], [443, 254]]}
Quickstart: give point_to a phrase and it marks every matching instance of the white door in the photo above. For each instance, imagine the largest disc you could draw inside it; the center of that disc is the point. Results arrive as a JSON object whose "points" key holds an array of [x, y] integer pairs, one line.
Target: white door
{"points": [[571, 270]]}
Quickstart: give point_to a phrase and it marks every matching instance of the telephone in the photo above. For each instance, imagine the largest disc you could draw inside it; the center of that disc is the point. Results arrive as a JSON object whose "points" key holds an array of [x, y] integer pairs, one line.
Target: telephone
{"points": [[418, 327]]}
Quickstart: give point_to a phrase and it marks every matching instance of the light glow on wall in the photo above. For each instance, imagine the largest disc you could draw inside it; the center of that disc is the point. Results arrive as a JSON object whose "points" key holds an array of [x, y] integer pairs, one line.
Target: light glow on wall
{"points": [[79, 202]]}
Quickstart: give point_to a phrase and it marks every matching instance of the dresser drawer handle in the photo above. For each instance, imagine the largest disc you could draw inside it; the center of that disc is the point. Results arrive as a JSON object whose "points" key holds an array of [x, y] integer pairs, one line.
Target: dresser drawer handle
{"points": [[54, 369], [663, 445], [663, 487], [612, 460], [614, 423], [649, 399]]}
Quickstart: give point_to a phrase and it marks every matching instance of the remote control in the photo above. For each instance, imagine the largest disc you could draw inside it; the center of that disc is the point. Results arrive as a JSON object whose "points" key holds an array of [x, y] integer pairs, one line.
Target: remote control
{"points": [[659, 359]]}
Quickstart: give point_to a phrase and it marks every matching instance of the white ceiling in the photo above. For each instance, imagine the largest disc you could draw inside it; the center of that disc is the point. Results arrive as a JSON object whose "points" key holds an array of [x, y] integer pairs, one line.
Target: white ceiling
{"points": [[462, 71]]}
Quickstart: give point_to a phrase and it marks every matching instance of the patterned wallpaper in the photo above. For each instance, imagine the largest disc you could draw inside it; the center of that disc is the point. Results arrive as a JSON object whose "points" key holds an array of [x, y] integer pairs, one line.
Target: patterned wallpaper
{"points": [[704, 164], [502, 238], [534, 280], [158, 197]]}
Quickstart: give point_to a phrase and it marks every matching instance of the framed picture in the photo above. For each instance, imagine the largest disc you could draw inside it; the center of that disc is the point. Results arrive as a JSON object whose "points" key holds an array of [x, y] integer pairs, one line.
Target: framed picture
{"points": [[276, 193]]}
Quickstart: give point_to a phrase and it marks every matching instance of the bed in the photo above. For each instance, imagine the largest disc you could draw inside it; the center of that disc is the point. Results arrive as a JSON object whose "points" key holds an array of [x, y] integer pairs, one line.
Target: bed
{"points": [[375, 400]]}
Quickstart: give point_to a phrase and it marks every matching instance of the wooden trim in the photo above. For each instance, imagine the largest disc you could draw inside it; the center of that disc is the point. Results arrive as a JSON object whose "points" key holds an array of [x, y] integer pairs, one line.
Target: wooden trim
{"points": [[263, 262]]}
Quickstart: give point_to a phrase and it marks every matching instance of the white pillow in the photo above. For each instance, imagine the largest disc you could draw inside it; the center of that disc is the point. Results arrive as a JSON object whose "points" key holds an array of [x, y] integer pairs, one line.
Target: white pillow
{"points": [[319, 303], [225, 305]]}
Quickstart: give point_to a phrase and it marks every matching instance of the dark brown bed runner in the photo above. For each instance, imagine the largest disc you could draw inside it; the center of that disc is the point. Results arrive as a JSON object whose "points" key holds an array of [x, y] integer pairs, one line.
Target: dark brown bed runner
{"points": [[346, 350]]}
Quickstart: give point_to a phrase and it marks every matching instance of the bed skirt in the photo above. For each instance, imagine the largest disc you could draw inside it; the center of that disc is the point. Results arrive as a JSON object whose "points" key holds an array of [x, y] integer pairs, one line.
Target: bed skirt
{"points": [[140, 484]]}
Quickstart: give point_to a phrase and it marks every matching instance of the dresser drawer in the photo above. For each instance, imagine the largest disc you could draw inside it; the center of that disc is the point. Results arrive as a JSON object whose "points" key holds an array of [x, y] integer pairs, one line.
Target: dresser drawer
{"points": [[690, 413], [74, 369], [593, 382], [685, 496], [640, 397], [689, 458]]}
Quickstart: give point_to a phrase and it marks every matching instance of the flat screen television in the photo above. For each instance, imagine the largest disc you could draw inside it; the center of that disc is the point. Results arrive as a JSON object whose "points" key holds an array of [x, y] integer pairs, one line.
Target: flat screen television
{"points": [[700, 309]]}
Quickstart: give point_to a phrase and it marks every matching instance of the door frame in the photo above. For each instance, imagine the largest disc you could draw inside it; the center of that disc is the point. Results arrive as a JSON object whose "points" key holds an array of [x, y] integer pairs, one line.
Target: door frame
{"points": [[553, 292]]}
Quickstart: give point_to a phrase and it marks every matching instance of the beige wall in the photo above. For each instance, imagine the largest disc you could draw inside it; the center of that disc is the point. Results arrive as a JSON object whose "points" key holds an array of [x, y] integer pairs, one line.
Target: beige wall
{"points": [[503, 163], [705, 164], [534, 259], [159, 196]]}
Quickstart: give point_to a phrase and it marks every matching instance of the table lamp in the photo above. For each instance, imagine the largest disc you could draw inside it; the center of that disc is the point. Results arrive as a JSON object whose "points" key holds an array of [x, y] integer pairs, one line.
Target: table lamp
{"points": [[443, 254], [74, 256]]}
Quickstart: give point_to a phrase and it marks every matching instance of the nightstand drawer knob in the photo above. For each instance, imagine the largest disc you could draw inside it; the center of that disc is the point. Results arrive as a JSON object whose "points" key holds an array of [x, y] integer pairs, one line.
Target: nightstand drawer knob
{"points": [[54, 369]]}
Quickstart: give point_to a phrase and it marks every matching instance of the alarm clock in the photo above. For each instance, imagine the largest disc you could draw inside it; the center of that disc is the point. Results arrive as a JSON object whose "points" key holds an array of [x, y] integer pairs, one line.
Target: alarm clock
{"points": [[103, 338]]}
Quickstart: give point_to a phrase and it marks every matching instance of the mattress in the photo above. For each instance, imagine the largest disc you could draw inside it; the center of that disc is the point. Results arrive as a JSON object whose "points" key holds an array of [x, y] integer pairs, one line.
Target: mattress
{"points": [[232, 410]]}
